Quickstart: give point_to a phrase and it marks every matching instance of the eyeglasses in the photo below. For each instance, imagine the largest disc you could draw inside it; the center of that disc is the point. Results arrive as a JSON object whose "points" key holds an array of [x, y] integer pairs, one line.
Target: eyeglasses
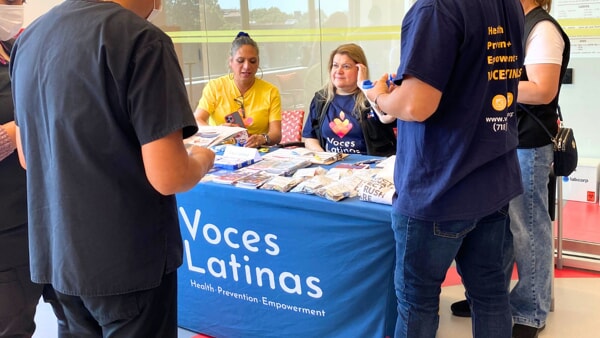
{"points": [[345, 66], [240, 100]]}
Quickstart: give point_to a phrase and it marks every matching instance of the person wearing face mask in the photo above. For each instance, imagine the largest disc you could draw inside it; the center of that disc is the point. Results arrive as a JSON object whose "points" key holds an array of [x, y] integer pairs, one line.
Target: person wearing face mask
{"points": [[101, 111], [11, 18], [19, 296], [341, 118], [256, 101], [17, 309]]}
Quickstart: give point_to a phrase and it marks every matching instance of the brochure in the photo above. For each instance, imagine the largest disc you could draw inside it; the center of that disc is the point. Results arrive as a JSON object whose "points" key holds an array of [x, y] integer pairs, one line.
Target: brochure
{"points": [[325, 157], [322, 157], [254, 180], [235, 157], [231, 177], [231, 163], [377, 190], [208, 136], [280, 166]]}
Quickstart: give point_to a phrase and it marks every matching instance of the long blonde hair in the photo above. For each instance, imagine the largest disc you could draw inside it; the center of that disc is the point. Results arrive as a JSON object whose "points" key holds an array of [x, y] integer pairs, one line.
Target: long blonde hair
{"points": [[356, 53]]}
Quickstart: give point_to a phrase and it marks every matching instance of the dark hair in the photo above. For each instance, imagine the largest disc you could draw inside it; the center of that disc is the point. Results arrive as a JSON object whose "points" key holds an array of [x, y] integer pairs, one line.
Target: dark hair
{"points": [[242, 39]]}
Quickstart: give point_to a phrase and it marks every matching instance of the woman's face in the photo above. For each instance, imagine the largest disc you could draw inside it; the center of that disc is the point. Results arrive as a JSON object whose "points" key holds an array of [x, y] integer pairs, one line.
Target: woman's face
{"points": [[244, 63], [344, 73]]}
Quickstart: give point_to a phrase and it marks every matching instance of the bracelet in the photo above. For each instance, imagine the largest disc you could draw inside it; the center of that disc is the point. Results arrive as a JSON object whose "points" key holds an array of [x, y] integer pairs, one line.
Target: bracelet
{"points": [[266, 136], [377, 106]]}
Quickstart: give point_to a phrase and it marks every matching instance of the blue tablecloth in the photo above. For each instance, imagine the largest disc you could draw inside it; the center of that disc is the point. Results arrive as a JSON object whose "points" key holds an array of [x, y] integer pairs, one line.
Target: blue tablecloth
{"points": [[269, 264]]}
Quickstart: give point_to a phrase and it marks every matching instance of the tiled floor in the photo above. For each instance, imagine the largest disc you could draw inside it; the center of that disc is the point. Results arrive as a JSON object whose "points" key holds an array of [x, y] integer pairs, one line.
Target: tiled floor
{"points": [[576, 309], [576, 312]]}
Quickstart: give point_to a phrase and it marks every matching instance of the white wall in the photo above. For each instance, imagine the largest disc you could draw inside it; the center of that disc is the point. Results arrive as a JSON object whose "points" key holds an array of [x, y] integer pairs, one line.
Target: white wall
{"points": [[35, 8], [579, 105]]}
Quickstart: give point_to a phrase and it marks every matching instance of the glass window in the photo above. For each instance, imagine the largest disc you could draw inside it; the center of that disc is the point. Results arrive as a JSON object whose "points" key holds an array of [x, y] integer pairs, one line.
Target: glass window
{"points": [[294, 37]]}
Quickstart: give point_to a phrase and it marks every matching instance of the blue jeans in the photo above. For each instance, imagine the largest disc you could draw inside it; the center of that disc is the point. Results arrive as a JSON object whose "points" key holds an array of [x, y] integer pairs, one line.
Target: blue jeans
{"points": [[424, 252], [531, 227]]}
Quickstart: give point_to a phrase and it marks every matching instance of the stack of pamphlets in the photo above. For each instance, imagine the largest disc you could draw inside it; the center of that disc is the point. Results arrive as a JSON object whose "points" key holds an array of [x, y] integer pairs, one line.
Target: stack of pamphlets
{"points": [[322, 157], [326, 158], [254, 180], [229, 177], [280, 166], [243, 178], [235, 157], [208, 136], [231, 163], [346, 169], [377, 190]]}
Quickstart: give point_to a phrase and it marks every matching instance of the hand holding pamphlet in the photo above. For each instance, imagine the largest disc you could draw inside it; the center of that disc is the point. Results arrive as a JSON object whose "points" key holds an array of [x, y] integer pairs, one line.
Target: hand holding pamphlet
{"points": [[208, 136]]}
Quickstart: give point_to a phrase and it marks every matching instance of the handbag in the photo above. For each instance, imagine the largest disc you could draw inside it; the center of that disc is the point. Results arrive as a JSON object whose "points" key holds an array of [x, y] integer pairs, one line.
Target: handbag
{"points": [[565, 147]]}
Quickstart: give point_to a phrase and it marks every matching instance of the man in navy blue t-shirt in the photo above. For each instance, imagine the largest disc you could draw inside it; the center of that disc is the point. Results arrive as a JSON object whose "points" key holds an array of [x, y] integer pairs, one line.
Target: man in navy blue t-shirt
{"points": [[456, 164]]}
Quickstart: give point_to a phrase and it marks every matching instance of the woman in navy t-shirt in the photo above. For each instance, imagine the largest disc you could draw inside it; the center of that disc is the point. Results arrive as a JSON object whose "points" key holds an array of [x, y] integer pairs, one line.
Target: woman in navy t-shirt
{"points": [[341, 119]]}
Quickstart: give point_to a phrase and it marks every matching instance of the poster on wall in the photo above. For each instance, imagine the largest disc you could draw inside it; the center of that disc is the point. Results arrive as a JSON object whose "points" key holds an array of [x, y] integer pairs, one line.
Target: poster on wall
{"points": [[581, 21]]}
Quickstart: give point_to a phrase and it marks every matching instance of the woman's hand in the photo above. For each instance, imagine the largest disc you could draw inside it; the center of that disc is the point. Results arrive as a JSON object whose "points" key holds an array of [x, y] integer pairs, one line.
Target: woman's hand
{"points": [[363, 74], [256, 141]]}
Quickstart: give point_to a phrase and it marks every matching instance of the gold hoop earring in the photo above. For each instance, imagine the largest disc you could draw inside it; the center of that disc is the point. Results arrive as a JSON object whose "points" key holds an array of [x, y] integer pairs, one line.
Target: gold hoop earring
{"points": [[230, 75], [261, 73]]}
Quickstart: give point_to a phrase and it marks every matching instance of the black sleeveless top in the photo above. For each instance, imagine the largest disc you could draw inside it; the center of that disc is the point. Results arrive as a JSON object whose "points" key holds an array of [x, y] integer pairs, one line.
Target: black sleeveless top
{"points": [[13, 189], [531, 135]]}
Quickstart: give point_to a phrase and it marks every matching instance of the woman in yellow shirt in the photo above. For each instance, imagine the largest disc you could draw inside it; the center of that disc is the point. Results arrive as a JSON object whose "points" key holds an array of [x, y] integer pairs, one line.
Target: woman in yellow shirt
{"points": [[257, 101]]}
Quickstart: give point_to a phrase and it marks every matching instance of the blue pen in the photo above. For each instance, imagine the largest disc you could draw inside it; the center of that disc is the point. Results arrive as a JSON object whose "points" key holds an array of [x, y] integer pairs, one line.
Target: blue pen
{"points": [[389, 80]]}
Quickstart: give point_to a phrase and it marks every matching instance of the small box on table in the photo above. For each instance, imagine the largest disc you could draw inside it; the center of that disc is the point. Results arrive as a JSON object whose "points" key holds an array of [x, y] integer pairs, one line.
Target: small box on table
{"points": [[582, 184]]}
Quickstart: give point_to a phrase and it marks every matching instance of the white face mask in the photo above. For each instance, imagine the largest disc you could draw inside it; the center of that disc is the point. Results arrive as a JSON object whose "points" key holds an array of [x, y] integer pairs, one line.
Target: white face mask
{"points": [[155, 12], [11, 21]]}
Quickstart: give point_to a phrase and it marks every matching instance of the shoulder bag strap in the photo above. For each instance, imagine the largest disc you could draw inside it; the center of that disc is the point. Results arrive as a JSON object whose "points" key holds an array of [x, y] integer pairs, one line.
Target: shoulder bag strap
{"points": [[559, 113], [538, 120]]}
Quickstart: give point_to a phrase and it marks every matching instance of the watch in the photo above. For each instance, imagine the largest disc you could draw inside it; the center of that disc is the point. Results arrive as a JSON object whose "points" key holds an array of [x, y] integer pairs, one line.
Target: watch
{"points": [[266, 136]]}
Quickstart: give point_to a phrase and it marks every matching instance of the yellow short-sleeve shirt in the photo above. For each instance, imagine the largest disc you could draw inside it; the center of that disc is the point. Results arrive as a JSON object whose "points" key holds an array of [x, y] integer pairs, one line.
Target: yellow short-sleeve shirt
{"points": [[262, 103]]}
